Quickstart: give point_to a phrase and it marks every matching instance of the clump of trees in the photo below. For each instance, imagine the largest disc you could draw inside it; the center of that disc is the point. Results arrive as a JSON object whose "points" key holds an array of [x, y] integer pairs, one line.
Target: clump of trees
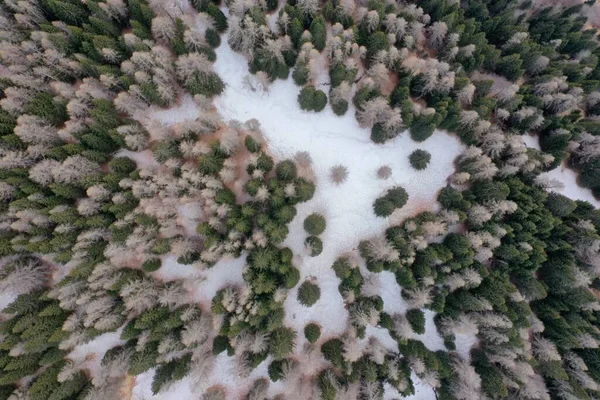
{"points": [[394, 198], [314, 225]]}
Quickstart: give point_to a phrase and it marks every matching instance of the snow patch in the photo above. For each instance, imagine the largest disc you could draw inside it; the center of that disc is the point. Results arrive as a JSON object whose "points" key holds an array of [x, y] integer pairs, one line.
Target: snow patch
{"points": [[332, 140], [572, 189]]}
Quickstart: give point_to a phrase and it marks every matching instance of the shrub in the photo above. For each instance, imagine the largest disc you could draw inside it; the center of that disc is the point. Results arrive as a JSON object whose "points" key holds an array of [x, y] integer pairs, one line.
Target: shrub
{"points": [[419, 159], [308, 294], [416, 318], [312, 332], [314, 224], [314, 244]]}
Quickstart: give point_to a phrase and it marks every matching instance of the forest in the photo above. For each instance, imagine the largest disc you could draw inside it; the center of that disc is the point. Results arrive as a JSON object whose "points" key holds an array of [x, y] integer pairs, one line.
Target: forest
{"points": [[154, 247]]}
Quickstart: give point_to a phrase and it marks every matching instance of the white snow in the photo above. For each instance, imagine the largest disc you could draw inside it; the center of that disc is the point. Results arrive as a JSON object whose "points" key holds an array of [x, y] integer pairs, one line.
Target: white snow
{"points": [[464, 342], [532, 141], [92, 352], [566, 176], [143, 159], [333, 140], [205, 283], [572, 189]]}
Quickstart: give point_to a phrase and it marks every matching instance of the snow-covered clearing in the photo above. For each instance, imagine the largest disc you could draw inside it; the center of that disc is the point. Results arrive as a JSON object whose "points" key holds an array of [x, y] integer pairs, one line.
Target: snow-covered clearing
{"points": [[89, 355], [572, 189], [329, 140], [332, 140], [566, 176]]}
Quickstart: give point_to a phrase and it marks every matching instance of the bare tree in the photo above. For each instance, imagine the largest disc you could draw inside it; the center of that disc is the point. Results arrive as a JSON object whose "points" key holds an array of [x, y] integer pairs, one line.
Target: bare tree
{"points": [[384, 172], [163, 28], [338, 174], [437, 34]]}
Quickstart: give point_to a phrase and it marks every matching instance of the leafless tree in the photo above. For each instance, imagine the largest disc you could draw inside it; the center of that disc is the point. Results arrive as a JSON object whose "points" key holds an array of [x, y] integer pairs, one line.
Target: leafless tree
{"points": [[437, 34], [384, 172], [163, 28], [338, 174]]}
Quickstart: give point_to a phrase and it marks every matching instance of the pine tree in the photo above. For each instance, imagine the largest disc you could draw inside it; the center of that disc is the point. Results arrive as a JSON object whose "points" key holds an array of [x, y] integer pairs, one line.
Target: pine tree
{"points": [[308, 294], [312, 332], [314, 224], [281, 343], [419, 159]]}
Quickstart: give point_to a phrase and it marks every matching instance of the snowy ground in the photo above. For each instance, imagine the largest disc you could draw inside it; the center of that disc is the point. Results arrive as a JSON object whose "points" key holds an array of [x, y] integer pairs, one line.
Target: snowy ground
{"points": [[333, 140], [330, 140], [566, 176]]}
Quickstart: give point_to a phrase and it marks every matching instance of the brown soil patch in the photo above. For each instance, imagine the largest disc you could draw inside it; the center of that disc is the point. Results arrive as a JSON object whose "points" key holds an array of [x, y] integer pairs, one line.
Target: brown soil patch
{"points": [[127, 387]]}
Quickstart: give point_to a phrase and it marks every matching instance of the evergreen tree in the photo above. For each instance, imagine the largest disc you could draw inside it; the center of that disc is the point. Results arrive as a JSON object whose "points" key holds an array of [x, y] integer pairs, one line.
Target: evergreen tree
{"points": [[314, 224], [419, 159], [308, 294]]}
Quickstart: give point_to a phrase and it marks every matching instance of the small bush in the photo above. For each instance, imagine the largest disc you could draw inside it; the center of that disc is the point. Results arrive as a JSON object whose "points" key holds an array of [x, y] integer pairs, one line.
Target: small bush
{"points": [[308, 294], [416, 318], [314, 244], [312, 332], [419, 159], [314, 224]]}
